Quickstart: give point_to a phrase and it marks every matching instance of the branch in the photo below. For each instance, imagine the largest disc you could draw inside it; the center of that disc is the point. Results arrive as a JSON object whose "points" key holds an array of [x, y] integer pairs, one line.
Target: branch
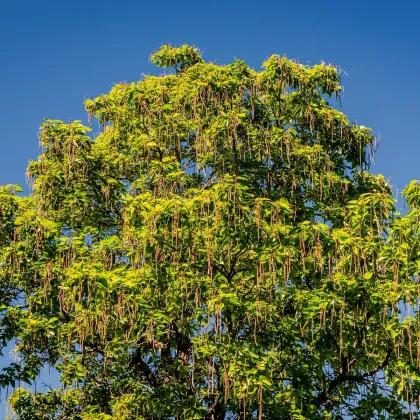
{"points": [[138, 361], [323, 397]]}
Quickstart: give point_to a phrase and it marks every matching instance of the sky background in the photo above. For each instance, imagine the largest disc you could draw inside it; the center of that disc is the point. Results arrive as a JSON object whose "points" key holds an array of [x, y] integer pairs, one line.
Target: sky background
{"points": [[54, 54]]}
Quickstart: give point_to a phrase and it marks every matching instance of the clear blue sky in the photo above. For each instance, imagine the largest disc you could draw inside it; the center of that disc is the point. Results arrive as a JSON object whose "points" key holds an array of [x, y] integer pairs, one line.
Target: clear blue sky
{"points": [[56, 53]]}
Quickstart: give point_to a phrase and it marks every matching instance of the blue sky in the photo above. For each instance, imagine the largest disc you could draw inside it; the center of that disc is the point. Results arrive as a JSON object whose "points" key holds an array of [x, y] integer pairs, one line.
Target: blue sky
{"points": [[55, 54]]}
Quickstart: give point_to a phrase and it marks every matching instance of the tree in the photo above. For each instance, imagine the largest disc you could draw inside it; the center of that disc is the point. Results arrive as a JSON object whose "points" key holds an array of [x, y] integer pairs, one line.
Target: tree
{"points": [[219, 250]]}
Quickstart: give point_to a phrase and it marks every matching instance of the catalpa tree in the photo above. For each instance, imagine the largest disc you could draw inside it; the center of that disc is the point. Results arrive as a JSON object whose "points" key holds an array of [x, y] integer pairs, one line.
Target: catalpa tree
{"points": [[219, 250]]}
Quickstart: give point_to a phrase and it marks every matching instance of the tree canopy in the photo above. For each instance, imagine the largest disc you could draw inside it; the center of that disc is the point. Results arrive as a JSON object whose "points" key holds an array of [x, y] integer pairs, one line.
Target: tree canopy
{"points": [[218, 250]]}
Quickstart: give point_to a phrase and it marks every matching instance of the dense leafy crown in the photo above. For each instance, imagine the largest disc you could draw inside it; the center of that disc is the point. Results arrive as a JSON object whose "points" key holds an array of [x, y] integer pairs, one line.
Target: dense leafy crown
{"points": [[219, 250]]}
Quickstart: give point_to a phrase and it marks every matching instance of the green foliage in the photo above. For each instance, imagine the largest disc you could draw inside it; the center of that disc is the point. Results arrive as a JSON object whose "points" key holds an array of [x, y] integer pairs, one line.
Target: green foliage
{"points": [[219, 250], [179, 58]]}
